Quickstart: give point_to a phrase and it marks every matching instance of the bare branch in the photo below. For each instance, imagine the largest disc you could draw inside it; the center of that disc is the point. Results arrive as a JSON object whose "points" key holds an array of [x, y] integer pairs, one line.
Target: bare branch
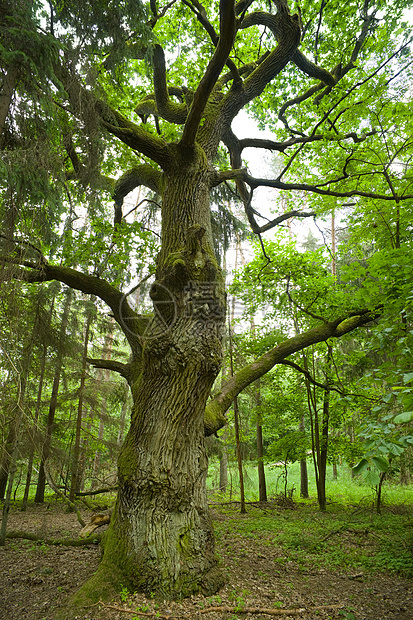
{"points": [[298, 58], [310, 377], [338, 72], [253, 182], [286, 216], [282, 146]]}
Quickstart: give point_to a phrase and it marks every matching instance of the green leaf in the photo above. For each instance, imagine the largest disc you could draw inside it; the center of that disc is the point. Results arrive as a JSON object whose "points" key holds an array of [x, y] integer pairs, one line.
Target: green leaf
{"points": [[372, 478], [381, 463], [408, 377], [402, 418], [361, 466], [396, 450]]}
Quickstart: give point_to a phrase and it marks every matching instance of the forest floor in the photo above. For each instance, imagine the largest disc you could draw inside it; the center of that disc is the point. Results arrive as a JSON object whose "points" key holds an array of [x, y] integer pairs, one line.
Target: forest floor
{"points": [[36, 578]]}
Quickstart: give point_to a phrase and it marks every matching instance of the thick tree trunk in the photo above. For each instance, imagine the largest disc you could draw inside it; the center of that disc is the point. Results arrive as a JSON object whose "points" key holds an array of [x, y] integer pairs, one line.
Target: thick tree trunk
{"points": [[161, 538]]}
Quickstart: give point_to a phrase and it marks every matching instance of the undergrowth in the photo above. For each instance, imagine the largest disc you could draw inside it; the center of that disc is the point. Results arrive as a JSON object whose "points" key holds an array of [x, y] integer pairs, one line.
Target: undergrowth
{"points": [[350, 541]]}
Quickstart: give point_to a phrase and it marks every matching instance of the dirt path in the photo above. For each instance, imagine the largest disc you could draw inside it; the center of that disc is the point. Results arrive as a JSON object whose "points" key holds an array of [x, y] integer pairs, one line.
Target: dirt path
{"points": [[36, 579]]}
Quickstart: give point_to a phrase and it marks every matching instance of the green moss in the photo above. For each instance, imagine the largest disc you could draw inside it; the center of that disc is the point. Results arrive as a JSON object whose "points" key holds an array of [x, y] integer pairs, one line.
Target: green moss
{"points": [[214, 419], [347, 325], [175, 258]]}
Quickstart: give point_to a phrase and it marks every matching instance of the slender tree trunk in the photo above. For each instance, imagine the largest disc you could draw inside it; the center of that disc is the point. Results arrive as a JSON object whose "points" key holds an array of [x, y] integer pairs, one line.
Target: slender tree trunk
{"points": [[236, 427], [13, 469], [223, 470], [6, 94], [239, 456], [322, 453], [76, 474], [84, 445], [41, 481], [303, 467], [379, 492], [19, 415], [100, 376], [223, 456], [6, 457], [35, 423], [262, 486]]}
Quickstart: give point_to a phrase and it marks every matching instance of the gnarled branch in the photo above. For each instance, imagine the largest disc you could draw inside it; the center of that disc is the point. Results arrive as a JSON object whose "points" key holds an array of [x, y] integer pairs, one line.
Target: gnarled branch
{"points": [[226, 39], [253, 182], [143, 174], [217, 407], [165, 107], [119, 367], [298, 58], [128, 319]]}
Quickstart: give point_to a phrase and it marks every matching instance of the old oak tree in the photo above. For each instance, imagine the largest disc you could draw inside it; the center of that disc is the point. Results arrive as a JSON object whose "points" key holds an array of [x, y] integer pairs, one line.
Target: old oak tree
{"points": [[312, 69]]}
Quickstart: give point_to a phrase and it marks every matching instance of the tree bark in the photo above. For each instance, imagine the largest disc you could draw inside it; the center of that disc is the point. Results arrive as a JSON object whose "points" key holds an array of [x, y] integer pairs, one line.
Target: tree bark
{"points": [[223, 470], [6, 94], [239, 457], [6, 458], [161, 537]]}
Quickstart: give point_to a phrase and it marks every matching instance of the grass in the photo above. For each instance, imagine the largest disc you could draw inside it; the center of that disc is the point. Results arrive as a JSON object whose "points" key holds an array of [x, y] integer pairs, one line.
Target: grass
{"points": [[341, 540], [348, 537], [345, 490]]}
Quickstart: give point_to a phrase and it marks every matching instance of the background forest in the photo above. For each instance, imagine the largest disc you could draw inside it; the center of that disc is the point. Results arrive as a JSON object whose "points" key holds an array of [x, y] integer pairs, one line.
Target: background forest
{"points": [[330, 237]]}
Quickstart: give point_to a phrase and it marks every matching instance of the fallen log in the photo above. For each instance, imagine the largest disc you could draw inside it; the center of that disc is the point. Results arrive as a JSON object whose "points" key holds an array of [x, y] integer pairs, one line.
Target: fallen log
{"points": [[97, 492], [68, 542]]}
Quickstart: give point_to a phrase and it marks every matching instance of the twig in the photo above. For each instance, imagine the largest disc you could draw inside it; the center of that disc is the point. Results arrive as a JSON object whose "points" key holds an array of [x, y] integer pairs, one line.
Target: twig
{"points": [[268, 611], [224, 609]]}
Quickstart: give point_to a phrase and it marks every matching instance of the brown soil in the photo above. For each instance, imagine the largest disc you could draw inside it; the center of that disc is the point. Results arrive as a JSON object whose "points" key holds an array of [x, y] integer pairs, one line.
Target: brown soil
{"points": [[36, 579]]}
